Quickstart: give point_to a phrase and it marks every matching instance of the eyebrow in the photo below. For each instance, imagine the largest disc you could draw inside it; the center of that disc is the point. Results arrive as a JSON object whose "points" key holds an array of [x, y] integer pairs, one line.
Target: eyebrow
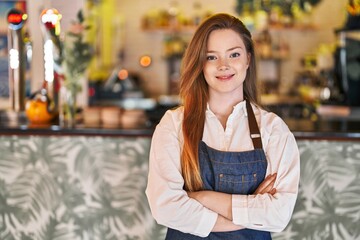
{"points": [[230, 49]]}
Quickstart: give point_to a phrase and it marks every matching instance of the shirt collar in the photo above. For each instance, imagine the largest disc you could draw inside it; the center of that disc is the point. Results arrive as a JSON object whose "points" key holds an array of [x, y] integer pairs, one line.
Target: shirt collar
{"points": [[239, 108]]}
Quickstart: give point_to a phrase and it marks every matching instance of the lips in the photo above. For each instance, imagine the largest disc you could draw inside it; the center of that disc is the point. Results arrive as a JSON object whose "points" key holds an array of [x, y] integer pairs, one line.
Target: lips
{"points": [[225, 77]]}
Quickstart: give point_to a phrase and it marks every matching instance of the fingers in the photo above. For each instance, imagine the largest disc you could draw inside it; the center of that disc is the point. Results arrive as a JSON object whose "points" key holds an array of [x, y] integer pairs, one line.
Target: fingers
{"points": [[269, 183], [272, 191], [267, 186]]}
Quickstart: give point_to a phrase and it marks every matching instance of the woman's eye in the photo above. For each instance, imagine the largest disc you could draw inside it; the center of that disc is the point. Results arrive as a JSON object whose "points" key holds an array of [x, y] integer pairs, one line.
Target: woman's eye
{"points": [[210, 58], [236, 54]]}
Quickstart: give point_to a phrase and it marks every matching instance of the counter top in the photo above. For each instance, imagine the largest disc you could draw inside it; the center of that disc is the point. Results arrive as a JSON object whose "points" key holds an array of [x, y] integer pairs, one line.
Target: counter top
{"points": [[27, 129], [336, 129], [303, 129]]}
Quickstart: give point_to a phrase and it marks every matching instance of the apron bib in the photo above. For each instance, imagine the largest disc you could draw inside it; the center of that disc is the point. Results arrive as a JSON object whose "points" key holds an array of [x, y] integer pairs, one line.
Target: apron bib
{"points": [[233, 173]]}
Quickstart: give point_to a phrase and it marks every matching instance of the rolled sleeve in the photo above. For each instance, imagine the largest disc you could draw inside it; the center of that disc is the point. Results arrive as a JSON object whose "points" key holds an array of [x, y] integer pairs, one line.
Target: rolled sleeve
{"points": [[239, 209], [206, 224]]}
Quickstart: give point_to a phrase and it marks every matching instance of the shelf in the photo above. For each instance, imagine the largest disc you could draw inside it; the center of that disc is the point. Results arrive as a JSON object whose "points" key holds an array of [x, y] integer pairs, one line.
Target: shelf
{"points": [[296, 27], [168, 29], [273, 57]]}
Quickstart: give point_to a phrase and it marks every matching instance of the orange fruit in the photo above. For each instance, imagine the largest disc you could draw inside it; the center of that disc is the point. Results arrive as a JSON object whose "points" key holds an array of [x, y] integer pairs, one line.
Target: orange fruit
{"points": [[36, 111]]}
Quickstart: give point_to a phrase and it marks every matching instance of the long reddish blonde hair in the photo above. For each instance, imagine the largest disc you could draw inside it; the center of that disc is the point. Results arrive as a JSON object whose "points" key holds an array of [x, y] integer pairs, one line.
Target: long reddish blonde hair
{"points": [[194, 90]]}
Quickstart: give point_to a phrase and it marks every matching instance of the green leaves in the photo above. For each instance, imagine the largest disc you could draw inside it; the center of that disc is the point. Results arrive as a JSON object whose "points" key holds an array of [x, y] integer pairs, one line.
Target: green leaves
{"points": [[77, 52]]}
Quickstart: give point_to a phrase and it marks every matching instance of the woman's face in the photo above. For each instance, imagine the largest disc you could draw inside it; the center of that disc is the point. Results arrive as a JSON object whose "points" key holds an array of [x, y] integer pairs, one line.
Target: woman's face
{"points": [[226, 63]]}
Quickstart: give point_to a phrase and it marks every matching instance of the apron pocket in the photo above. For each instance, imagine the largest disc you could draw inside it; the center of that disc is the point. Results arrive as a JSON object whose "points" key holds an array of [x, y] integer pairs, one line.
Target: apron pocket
{"points": [[237, 184]]}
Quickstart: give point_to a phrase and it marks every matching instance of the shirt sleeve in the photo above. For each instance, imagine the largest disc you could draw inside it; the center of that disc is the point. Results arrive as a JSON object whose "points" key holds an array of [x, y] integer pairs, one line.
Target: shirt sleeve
{"points": [[273, 212], [169, 203]]}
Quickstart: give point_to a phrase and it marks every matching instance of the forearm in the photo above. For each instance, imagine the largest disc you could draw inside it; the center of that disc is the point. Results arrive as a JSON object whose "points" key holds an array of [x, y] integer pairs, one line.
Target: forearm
{"points": [[215, 201], [225, 225]]}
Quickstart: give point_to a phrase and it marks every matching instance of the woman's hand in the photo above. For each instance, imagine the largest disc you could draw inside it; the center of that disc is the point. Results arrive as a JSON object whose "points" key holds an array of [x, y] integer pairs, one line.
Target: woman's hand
{"points": [[267, 186], [211, 199]]}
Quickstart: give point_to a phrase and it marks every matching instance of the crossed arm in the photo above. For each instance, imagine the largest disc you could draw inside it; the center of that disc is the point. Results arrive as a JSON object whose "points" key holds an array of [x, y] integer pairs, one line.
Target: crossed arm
{"points": [[221, 203]]}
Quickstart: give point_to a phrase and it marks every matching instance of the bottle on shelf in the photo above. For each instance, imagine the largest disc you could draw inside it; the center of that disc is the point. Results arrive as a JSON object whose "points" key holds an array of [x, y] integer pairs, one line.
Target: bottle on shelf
{"points": [[264, 43]]}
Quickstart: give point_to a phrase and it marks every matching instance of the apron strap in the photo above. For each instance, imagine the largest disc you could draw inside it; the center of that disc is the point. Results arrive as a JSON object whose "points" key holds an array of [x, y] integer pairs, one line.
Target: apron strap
{"points": [[254, 128]]}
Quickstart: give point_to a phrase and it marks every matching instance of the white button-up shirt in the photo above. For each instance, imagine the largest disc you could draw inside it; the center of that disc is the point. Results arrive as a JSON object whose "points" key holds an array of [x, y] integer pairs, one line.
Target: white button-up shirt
{"points": [[170, 204]]}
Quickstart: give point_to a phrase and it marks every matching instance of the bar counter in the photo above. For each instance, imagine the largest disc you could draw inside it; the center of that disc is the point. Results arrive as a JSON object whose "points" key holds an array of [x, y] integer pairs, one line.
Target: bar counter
{"points": [[336, 129], [78, 130], [80, 182]]}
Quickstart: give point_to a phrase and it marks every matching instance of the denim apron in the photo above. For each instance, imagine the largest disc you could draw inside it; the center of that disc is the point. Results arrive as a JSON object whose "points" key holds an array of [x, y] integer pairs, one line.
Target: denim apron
{"points": [[233, 173]]}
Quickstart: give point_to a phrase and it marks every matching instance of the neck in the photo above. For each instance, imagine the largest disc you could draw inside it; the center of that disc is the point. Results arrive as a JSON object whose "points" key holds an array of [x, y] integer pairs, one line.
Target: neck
{"points": [[222, 106]]}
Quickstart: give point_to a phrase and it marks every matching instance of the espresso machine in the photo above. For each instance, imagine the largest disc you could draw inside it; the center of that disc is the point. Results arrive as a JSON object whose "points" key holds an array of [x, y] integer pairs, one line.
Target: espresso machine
{"points": [[347, 60]]}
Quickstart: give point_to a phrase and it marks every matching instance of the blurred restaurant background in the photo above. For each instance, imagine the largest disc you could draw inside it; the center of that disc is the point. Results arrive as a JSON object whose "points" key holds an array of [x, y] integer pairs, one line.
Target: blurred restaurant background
{"points": [[129, 54], [83, 83]]}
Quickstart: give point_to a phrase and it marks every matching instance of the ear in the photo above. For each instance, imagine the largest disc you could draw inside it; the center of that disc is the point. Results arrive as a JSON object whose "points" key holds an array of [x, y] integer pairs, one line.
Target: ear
{"points": [[248, 60]]}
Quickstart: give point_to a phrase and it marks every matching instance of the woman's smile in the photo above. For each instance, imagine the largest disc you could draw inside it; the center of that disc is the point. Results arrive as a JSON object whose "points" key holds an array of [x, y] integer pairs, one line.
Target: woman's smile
{"points": [[225, 77]]}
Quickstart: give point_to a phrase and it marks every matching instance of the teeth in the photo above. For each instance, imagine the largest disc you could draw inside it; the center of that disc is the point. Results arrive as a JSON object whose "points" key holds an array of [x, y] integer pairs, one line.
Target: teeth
{"points": [[225, 77]]}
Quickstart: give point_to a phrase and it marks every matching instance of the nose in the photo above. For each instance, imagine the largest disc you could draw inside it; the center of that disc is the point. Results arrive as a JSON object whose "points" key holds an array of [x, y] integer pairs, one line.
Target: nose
{"points": [[223, 64]]}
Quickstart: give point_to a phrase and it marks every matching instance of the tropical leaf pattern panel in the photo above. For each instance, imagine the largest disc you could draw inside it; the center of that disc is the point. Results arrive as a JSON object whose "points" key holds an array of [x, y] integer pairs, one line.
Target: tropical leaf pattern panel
{"points": [[90, 188], [328, 205], [66, 188]]}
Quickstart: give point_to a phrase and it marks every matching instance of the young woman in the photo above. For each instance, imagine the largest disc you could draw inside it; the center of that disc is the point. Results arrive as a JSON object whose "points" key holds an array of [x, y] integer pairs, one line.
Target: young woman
{"points": [[221, 167]]}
